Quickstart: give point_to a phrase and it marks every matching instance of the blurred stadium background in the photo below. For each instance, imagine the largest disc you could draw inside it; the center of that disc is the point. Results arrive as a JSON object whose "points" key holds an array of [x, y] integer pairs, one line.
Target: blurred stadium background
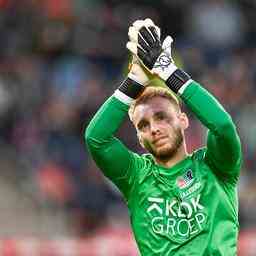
{"points": [[59, 60]]}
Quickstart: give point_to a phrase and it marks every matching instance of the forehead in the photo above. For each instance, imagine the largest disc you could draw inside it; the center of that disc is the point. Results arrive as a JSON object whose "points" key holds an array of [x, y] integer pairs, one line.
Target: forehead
{"points": [[152, 106]]}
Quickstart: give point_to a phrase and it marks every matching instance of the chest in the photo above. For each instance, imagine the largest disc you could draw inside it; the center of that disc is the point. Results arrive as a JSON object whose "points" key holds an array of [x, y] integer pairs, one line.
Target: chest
{"points": [[178, 207]]}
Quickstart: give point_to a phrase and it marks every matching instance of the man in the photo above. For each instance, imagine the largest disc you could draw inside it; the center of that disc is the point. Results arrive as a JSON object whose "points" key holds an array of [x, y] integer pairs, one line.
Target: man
{"points": [[179, 203]]}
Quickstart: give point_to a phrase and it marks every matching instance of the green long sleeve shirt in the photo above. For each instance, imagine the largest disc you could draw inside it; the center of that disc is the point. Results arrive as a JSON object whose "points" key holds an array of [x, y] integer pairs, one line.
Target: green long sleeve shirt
{"points": [[188, 209]]}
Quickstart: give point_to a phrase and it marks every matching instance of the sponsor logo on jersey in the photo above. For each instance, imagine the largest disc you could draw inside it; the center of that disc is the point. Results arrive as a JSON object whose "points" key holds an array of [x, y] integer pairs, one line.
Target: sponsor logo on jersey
{"points": [[180, 219], [189, 191]]}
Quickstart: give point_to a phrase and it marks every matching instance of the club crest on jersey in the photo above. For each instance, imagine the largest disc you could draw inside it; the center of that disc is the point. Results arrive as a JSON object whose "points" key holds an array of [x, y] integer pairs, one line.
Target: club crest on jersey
{"points": [[185, 180]]}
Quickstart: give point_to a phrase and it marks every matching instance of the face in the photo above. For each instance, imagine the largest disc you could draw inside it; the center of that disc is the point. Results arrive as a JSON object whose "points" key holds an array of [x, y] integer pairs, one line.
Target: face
{"points": [[160, 127]]}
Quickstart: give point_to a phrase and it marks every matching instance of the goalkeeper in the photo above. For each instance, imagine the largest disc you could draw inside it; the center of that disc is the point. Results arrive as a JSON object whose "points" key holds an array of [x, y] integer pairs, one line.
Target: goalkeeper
{"points": [[179, 203]]}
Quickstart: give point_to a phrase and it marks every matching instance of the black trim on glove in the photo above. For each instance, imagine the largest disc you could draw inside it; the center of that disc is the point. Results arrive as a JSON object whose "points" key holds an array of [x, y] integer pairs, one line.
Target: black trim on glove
{"points": [[177, 79], [131, 88], [149, 47]]}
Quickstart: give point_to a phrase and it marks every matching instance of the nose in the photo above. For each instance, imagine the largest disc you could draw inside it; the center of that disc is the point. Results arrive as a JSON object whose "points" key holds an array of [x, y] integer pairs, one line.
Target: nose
{"points": [[154, 129]]}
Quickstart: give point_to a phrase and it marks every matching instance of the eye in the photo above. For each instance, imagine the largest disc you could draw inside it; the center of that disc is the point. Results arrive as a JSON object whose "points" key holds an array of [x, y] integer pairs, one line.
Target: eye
{"points": [[142, 125], [160, 116]]}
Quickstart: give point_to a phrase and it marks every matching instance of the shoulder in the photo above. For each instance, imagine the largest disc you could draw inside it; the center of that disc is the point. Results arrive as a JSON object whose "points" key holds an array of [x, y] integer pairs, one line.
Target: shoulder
{"points": [[199, 154], [144, 161], [143, 165]]}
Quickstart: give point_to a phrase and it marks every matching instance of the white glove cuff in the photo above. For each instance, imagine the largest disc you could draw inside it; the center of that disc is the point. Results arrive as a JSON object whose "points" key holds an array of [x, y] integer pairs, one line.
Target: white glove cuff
{"points": [[123, 97], [135, 78]]}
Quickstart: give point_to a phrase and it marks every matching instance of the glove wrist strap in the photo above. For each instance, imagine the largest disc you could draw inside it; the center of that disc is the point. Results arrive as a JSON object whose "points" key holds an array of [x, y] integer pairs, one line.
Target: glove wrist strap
{"points": [[177, 79], [131, 88], [128, 91]]}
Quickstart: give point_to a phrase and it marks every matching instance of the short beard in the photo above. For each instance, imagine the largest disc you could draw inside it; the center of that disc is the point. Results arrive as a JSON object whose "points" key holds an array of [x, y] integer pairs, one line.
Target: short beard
{"points": [[165, 155]]}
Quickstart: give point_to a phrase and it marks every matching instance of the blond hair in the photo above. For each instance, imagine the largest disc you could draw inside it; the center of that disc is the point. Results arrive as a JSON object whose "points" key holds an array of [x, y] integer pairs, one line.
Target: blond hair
{"points": [[151, 92]]}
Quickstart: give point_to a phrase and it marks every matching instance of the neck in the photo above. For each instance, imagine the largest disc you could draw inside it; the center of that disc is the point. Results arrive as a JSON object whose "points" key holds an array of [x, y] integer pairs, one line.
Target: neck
{"points": [[176, 158]]}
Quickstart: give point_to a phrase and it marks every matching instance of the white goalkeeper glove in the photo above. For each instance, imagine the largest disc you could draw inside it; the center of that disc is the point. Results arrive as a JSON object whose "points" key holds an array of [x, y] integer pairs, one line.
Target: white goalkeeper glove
{"points": [[145, 43], [137, 72]]}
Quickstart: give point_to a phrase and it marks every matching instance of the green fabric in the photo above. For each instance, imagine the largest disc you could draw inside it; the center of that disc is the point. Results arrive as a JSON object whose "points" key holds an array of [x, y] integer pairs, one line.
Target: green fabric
{"points": [[189, 209]]}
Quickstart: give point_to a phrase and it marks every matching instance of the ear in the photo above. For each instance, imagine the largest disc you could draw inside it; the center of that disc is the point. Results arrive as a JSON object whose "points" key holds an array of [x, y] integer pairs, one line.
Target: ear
{"points": [[184, 120], [140, 140]]}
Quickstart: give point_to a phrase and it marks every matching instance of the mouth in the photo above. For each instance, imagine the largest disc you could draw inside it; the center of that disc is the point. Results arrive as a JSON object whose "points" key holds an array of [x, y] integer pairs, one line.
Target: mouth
{"points": [[159, 141]]}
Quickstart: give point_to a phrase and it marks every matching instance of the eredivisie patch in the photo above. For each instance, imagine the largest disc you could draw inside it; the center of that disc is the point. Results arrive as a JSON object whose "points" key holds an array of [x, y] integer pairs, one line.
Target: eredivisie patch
{"points": [[185, 180]]}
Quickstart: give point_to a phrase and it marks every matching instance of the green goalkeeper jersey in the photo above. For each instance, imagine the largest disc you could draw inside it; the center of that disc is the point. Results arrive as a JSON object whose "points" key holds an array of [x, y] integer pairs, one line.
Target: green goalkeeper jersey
{"points": [[188, 209]]}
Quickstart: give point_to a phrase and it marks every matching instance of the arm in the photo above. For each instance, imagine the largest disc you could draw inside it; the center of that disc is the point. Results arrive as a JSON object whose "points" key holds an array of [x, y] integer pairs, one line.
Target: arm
{"points": [[223, 153], [110, 154]]}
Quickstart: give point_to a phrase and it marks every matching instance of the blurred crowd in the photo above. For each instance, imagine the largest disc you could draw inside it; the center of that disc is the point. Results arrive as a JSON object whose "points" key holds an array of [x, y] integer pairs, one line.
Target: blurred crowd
{"points": [[59, 61]]}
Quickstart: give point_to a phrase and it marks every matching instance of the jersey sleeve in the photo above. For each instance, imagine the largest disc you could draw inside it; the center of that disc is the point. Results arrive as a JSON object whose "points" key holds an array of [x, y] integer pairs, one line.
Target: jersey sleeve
{"points": [[223, 153], [115, 160]]}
